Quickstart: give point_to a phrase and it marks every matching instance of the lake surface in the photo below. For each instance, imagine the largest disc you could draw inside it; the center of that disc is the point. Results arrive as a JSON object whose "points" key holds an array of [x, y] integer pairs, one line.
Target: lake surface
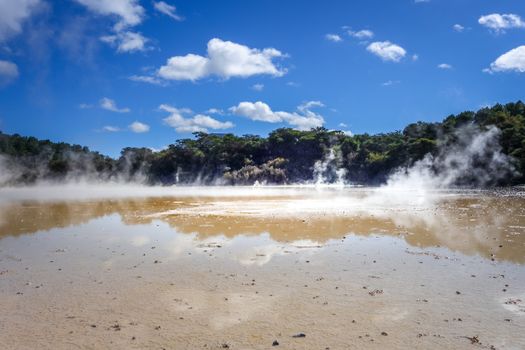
{"points": [[242, 268]]}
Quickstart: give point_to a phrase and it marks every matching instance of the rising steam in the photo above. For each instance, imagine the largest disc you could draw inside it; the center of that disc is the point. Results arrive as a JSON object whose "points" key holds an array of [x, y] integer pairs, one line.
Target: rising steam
{"points": [[471, 157], [329, 170]]}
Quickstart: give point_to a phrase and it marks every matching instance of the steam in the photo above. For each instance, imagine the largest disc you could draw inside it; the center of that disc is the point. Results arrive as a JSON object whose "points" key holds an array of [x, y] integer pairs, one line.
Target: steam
{"points": [[71, 168], [470, 158], [85, 190], [329, 170]]}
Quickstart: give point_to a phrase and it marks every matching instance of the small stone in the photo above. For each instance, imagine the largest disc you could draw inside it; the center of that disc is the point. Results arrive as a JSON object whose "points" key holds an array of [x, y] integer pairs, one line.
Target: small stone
{"points": [[275, 343]]}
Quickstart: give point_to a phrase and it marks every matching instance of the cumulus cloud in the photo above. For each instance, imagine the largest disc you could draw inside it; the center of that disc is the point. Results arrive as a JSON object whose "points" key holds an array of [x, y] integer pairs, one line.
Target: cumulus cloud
{"points": [[8, 72], [361, 34], [513, 60], [225, 59], [303, 119], [444, 66], [499, 22], [387, 51], [259, 111], [458, 28], [333, 37], [128, 13], [127, 41], [12, 15], [138, 127], [167, 9], [182, 121], [110, 105]]}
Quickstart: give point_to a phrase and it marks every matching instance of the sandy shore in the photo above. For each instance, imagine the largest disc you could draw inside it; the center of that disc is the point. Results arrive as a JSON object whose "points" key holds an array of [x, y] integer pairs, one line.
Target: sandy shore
{"points": [[240, 272]]}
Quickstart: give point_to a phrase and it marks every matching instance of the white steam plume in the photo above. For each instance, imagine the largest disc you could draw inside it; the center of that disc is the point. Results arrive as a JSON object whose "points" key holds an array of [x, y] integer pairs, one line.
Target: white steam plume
{"points": [[474, 159], [329, 170]]}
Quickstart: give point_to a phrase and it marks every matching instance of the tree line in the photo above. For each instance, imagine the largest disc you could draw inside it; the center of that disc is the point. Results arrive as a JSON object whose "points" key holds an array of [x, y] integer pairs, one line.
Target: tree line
{"points": [[284, 156]]}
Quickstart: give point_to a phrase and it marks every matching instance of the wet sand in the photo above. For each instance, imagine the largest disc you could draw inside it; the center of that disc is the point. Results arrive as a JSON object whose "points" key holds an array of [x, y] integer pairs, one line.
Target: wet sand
{"points": [[346, 268]]}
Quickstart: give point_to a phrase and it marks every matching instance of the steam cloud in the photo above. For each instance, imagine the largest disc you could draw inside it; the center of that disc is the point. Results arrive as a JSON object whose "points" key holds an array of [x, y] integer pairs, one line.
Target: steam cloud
{"points": [[329, 170], [469, 157], [474, 159]]}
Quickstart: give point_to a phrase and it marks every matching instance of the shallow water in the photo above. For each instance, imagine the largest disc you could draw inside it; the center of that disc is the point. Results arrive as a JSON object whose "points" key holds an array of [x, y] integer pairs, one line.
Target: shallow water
{"points": [[209, 268]]}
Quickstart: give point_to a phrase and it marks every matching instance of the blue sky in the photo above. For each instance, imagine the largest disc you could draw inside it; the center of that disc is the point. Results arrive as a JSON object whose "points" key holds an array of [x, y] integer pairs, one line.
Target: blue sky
{"points": [[116, 73]]}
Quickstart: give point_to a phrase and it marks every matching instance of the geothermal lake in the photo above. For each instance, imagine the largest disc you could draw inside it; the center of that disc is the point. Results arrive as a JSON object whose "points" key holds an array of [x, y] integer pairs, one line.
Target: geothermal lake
{"points": [[260, 268]]}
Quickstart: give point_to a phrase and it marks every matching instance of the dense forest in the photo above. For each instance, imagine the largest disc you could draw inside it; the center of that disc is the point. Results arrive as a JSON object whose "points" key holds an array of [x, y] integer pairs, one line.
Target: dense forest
{"points": [[285, 156]]}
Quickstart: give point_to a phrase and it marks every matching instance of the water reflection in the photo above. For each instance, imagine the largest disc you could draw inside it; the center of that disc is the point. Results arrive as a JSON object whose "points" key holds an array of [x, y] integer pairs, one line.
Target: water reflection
{"points": [[487, 224]]}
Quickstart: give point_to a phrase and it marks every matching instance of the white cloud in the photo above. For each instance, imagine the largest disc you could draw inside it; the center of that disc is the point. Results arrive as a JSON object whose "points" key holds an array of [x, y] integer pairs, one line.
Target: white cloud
{"points": [[499, 22], [127, 41], [8, 72], [85, 106], [259, 111], [421, 1], [306, 106], [189, 67], [343, 125], [415, 57], [444, 66], [333, 37], [147, 79], [387, 51], [138, 127], [109, 128], [225, 59], [167, 9], [362, 34], [199, 122], [215, 111], [304, 119], [12, 15], [110, 105], [129, 12], [258, 87], [458, 28], [513, 60]]}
